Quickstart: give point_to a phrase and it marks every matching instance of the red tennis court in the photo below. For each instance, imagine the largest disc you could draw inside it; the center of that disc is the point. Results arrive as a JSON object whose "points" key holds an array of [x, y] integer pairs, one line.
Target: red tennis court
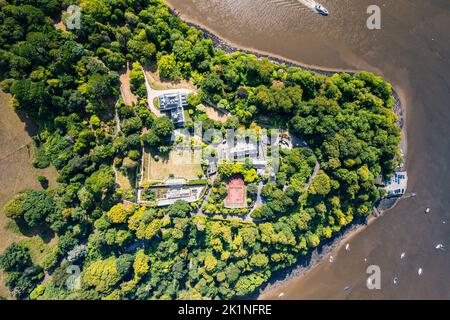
{"points": [[236, 193]]}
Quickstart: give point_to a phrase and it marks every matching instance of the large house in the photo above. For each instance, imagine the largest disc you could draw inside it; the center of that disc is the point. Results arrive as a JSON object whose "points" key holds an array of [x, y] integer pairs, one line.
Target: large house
{"points": [[241, 150], [173, 104]]}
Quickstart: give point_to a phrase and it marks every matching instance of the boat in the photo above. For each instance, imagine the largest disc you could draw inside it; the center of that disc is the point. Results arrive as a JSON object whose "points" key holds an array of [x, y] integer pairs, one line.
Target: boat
{"points": [[331, 259], [420, 271], [403, 255], [347, 247], [440, 246], [320, 9], [395, 280], [281, 295], [427, 210]]}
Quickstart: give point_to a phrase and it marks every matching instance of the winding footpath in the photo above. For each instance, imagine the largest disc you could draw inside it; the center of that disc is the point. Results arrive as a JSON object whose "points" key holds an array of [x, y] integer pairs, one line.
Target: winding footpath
{"points": [[153, 93], [314, 174]]}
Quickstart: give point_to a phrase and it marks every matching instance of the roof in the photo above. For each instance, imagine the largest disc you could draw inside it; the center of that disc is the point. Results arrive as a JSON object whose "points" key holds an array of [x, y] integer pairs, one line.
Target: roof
{"points": [[397, 184], [174, 103]]}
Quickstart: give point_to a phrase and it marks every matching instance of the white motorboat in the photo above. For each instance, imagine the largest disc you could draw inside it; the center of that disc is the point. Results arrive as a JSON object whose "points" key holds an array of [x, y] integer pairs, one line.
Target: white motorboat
{"points": [[321, 9]]}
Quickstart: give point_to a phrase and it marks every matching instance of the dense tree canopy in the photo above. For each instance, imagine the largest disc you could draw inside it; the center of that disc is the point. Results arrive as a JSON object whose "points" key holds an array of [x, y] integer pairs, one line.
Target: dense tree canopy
{"points": [[68, 82]]}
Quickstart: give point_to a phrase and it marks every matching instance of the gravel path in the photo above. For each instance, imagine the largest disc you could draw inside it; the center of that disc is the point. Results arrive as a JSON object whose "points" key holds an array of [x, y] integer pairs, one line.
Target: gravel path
{"points": [[152, 94]]}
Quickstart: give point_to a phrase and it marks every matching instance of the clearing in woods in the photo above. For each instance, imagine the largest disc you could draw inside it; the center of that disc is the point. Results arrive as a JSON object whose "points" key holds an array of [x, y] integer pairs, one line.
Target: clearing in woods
{"points": [[216, 115], [17, 174], [179, 164], [157, 83], [125, 88]]}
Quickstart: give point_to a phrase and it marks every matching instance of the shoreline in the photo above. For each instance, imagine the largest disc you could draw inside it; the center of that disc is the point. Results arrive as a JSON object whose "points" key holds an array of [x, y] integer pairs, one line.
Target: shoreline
{"points": [[318, 255], [315, 258], [229, 47]]}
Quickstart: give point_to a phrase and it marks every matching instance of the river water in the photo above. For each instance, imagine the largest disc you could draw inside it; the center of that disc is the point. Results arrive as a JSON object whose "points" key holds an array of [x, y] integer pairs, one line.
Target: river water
{"points": [[412, 51]]}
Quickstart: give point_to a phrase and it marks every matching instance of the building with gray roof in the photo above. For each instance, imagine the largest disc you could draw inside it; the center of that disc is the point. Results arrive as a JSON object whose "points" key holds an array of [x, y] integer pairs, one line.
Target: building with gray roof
{"points": [[173, 104]]}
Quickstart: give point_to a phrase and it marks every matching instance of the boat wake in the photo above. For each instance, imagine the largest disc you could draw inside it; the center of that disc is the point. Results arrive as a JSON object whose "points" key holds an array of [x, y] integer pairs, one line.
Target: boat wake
{"points": [[297, 4], [311, 4]]}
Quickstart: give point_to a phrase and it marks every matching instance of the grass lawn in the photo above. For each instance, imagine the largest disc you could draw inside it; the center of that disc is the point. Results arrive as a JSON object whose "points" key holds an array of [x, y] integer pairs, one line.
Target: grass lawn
{"points": [[177, 164], [157, 83], [38, 247], [187, 116], [128, 97], [156, 103], [17, 173], [122, 180], [215, 114]]}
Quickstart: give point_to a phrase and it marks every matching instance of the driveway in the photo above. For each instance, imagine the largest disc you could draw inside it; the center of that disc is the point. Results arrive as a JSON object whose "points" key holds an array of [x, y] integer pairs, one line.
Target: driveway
{"points": [[152, 94]]}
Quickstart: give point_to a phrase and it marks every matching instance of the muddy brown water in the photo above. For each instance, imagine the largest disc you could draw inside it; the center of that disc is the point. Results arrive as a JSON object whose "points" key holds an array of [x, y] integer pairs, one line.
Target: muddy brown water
{"points": [[412, 51]]}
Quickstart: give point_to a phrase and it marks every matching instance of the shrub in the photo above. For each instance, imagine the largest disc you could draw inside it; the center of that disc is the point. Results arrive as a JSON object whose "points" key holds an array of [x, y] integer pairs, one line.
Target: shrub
{"points": [[16, 258], [43, 181]]}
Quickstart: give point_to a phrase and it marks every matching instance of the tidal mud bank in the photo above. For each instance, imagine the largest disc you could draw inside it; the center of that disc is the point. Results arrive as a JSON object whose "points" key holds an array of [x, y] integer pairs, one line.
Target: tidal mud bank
{"points": [[317, 256], [228, 47]]}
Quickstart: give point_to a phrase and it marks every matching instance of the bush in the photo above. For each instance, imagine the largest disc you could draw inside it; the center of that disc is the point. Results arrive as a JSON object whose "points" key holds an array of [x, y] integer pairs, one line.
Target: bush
{"points": [[50, 259], [16, 258], [129, 164], [43, 181], [40, 161], [202, 182]]}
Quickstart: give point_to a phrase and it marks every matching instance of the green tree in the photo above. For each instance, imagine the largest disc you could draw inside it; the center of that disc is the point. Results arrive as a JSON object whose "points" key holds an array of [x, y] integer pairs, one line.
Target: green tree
{"points": [[163, 128], [102, 275], [102, 180], [212, 83], [179, 209], [263, 212], [32, 206], [124, 264], [120, 212], [259, 260], [321, 185], [15, 258], [168, 68]]}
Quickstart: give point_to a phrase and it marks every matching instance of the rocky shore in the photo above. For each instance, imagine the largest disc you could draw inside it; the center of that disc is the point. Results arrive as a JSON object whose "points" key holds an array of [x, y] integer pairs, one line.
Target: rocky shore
{"points": [[306, 263], [221, 44]]}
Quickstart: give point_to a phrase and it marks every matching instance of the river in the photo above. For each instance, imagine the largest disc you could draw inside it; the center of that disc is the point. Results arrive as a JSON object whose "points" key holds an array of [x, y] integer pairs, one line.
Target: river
{"points": [[412, 51]]}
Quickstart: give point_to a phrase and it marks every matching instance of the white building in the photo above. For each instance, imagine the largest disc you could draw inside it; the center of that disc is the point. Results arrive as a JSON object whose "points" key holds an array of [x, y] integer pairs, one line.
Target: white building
{"points": [[396, 186], [170, 195]]}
